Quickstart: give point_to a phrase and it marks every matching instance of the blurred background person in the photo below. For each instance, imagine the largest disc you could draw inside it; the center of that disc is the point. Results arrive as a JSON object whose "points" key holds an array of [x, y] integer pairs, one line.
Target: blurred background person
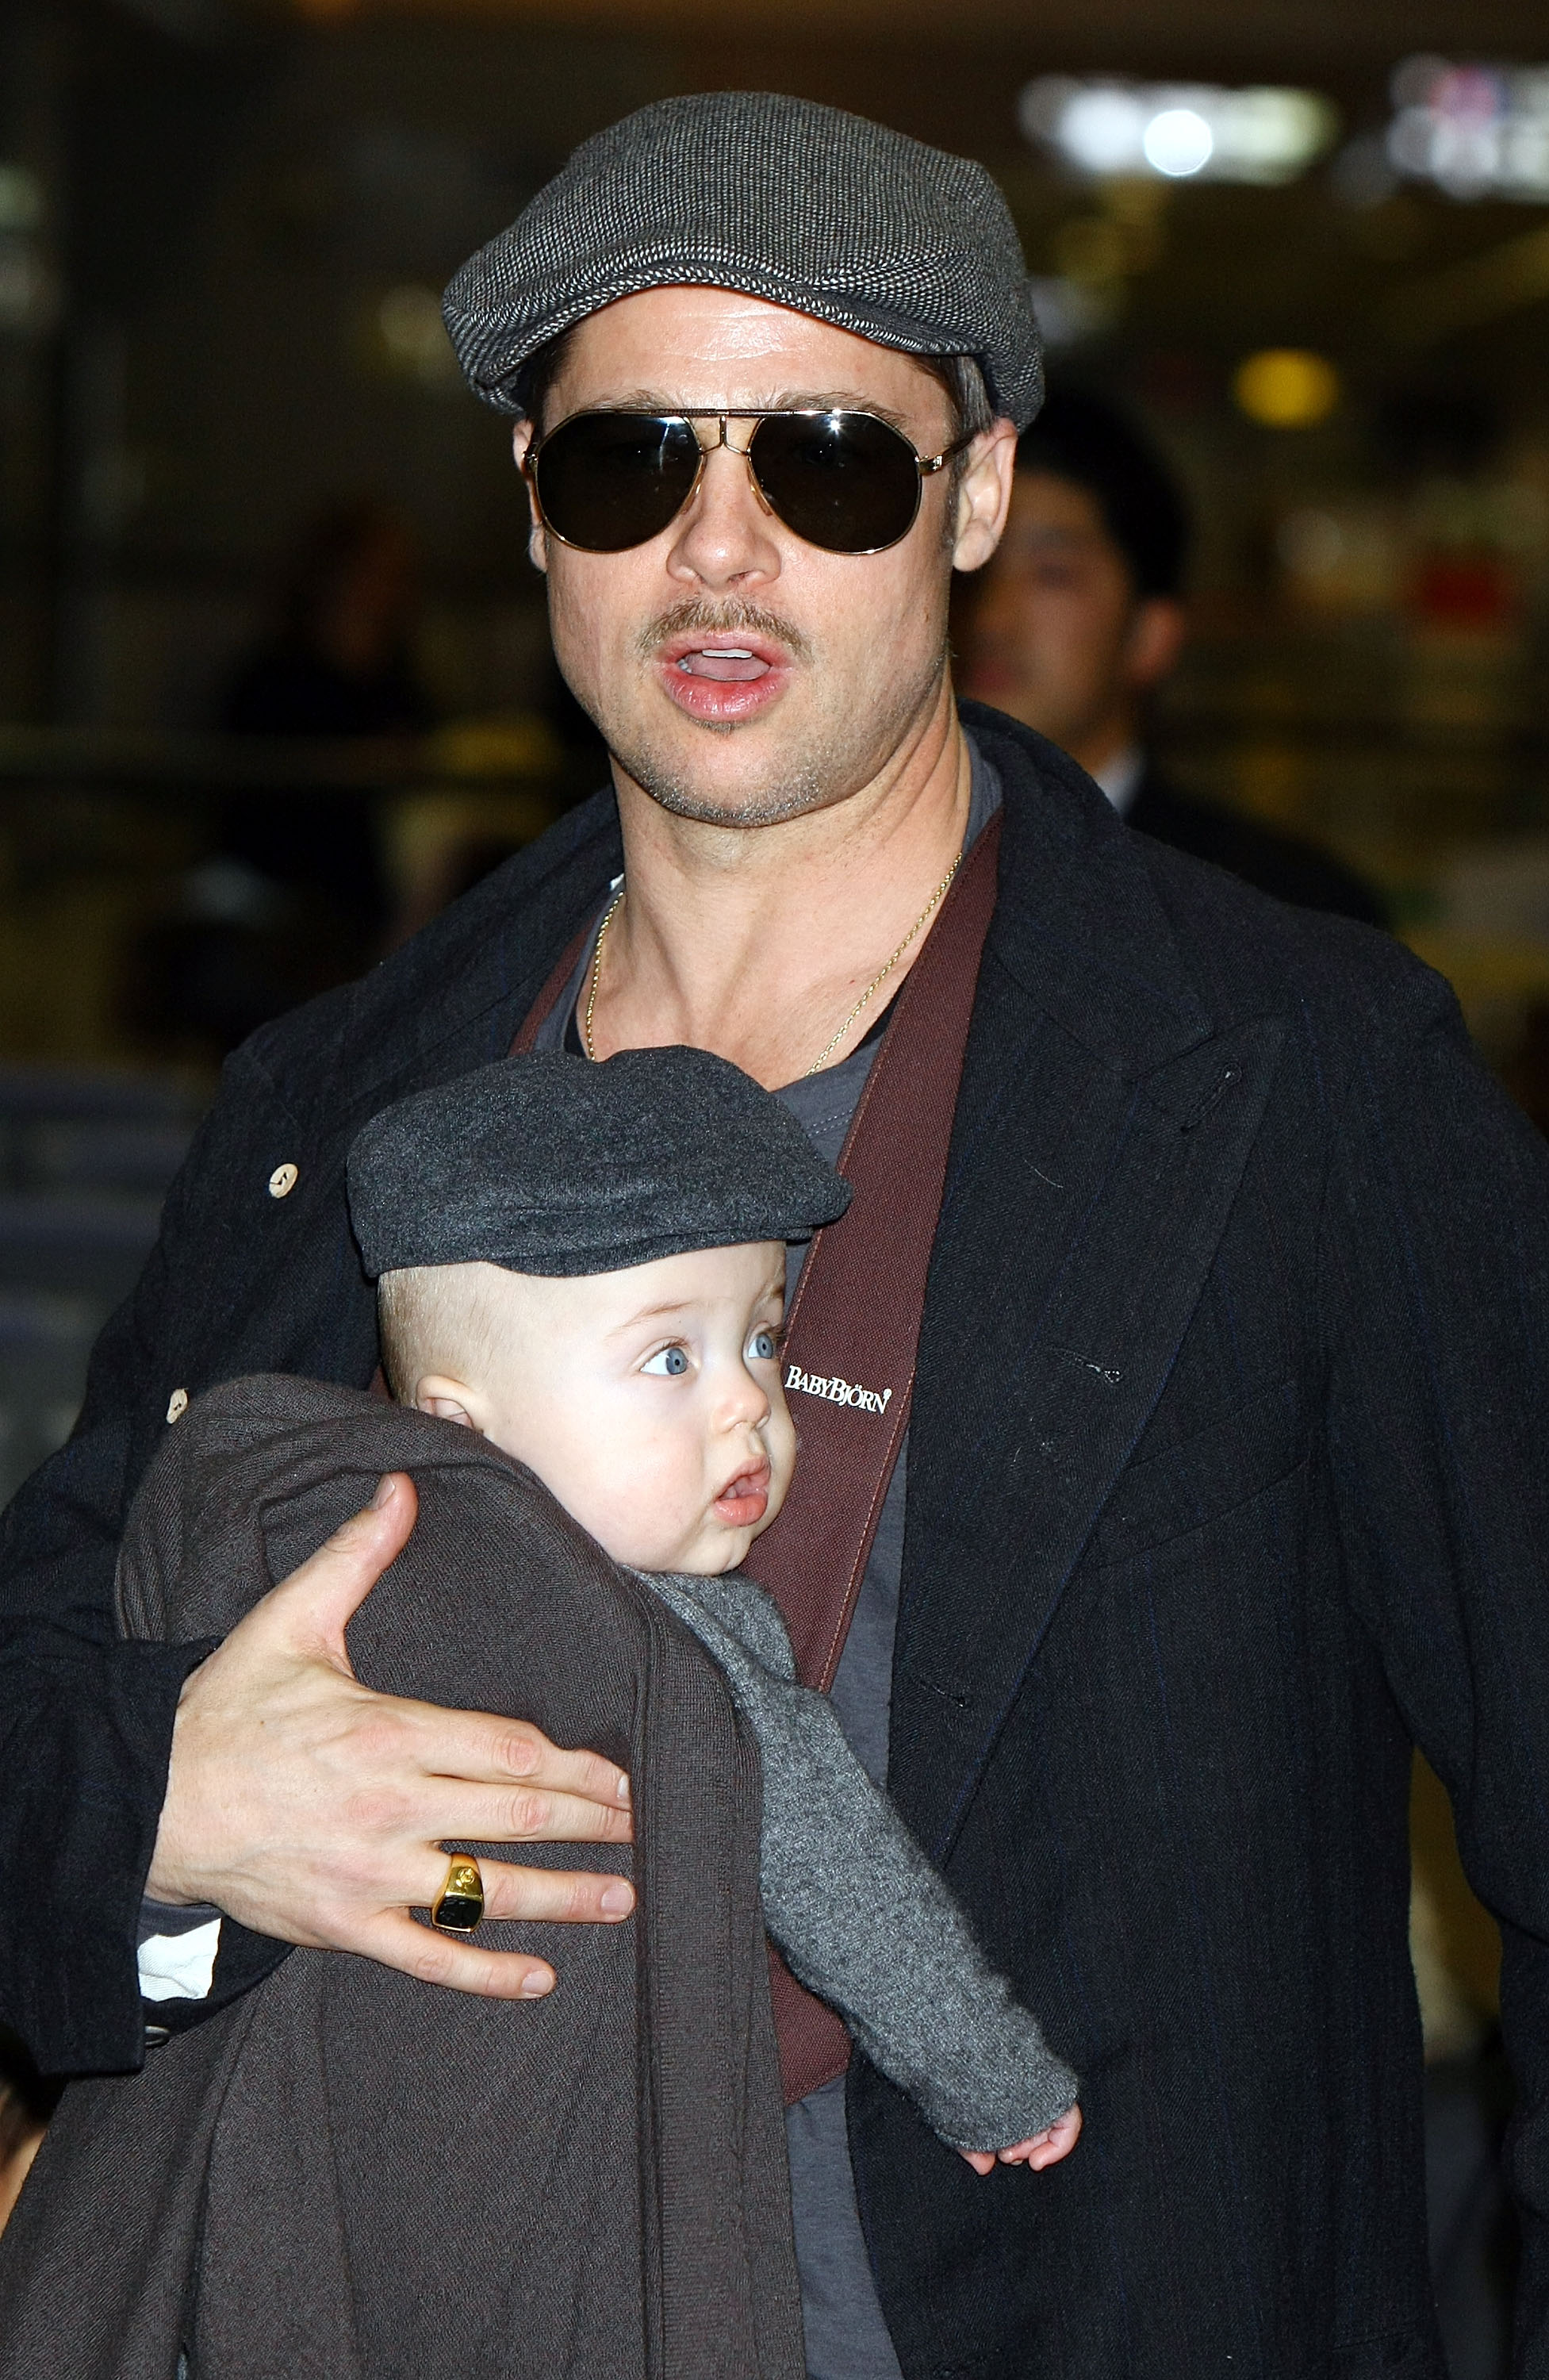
{"points": [[296, 893], [339, 661], [1080, 617]]}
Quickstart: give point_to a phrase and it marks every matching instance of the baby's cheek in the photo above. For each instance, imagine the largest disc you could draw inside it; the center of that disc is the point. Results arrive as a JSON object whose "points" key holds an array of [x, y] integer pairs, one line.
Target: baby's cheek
{"points": [[779, 1437]]}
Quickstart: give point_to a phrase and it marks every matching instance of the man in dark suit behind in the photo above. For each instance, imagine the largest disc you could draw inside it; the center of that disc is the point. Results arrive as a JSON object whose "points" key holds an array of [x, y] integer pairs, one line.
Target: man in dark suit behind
{"points": [[1080, 617]]}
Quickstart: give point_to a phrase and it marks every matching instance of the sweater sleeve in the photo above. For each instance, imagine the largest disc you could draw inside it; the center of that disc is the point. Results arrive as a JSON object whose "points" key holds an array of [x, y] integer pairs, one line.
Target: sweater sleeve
{"points": [[863, 1917]]}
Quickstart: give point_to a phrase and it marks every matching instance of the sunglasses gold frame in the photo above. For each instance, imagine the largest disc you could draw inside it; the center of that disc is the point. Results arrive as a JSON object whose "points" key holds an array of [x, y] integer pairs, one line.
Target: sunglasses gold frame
{"points": [[925, 465]]}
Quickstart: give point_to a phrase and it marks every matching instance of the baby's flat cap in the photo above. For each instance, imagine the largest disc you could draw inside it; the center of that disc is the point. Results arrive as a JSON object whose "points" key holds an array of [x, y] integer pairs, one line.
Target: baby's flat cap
{"points": [[805, 206], [549, 1164]]}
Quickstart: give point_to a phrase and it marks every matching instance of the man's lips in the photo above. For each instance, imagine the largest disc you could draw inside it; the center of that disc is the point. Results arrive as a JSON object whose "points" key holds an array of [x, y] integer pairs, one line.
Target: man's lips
{"points": [[727, 676], [744, 1499]]}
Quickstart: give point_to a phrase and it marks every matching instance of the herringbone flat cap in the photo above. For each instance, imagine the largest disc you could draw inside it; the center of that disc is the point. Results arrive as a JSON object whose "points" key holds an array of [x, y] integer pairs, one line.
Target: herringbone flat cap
{"points": [[549, 1164], [804, 205]]}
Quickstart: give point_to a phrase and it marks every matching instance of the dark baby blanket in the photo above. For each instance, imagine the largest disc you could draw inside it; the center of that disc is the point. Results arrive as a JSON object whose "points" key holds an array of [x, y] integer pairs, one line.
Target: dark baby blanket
{"points": [[345, 2175]]}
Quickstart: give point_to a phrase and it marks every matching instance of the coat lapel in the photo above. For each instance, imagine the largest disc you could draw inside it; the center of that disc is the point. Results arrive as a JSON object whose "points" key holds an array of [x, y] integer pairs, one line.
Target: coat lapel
{"points": [[1102, 1131], [455, 997]]}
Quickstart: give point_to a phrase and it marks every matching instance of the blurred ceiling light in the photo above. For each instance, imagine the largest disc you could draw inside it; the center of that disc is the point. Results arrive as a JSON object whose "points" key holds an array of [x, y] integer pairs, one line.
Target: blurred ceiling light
{"points": [[1286, 388], [414, 340], [1178, 131], [1475, 131], [1178, 142]]}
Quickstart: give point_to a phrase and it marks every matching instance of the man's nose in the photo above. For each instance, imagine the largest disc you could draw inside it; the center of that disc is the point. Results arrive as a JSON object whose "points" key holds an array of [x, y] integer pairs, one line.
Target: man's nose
{"points": [[724, 539]]}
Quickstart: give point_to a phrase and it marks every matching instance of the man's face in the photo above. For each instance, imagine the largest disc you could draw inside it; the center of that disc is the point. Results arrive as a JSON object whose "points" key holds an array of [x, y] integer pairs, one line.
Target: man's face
{"points": [[1057, 636], [740, 675]]}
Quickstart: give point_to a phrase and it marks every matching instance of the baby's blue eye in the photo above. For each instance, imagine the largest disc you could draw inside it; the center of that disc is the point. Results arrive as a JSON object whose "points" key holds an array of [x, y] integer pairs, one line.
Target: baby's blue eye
{"points": [[669, 1362], [763, 1346]]}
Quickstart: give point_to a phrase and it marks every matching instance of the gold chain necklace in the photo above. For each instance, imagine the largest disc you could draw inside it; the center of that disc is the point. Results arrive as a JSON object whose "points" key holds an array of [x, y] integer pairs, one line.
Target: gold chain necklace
{"points": [[597, 972], [828, 1047]]}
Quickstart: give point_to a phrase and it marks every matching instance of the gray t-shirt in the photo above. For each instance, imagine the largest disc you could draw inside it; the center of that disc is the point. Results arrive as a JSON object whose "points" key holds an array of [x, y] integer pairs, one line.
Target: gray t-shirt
{"points": [[846, 2336]]}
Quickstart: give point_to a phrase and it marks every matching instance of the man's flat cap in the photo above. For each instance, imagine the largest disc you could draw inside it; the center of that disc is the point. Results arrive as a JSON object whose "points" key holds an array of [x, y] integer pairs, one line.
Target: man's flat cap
{"points": [[549, 1164], [804, 205]]}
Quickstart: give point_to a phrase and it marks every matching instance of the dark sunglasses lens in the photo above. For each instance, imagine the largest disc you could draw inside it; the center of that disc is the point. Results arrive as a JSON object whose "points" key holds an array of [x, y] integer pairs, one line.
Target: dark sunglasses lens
{"points": [[845, 481], [609, 480]]}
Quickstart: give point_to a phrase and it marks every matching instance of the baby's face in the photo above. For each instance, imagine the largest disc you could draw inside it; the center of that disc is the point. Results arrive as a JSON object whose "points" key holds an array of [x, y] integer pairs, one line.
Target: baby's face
{"points": [[648, 1402]]}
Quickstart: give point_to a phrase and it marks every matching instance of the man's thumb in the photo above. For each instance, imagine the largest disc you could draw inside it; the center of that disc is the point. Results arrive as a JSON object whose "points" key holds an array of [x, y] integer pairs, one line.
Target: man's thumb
{"points": [[325, 1593]]}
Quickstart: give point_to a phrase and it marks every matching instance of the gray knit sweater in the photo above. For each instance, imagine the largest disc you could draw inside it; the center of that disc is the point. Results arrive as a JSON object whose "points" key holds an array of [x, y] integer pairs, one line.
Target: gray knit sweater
{"points": [[863, 1917]]}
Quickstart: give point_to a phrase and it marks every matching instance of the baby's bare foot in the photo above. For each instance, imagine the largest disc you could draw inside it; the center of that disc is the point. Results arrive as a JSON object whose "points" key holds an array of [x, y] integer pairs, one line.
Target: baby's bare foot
{"points": [[1044, 2148]]}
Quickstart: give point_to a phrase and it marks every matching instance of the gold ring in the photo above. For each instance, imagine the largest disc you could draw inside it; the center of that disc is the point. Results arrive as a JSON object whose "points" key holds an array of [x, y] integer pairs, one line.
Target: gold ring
{"points": [[459, 1905]]}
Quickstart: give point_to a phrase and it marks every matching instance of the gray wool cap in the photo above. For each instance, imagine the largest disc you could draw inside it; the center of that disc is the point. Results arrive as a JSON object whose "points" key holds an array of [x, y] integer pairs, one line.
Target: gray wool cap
{"points": [[549, 1164], [804, 205]]}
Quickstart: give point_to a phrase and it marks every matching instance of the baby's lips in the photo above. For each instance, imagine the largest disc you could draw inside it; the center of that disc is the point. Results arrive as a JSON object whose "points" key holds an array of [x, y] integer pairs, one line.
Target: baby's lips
{"points": [[753, 1481], [744, 1499]]}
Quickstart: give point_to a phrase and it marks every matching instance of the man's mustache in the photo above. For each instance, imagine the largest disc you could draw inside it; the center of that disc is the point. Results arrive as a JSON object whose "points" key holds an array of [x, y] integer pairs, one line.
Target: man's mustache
{"points": [[696, 617]]}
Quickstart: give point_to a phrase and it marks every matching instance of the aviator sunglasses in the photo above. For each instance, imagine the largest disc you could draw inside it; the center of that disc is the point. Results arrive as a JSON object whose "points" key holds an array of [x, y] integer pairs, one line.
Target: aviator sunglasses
{"points": [[844, 481]]}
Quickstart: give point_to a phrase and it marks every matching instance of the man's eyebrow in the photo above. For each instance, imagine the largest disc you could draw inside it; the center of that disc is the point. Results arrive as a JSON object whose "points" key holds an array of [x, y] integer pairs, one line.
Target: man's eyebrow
{"points": [[835, 400], [785, 400]]}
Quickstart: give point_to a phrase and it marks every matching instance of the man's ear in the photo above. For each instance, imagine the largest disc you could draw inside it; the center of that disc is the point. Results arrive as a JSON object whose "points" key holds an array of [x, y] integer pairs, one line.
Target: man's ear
{"points": [[984, 495], [537, 546], [1156, 639], [450, 1401]]}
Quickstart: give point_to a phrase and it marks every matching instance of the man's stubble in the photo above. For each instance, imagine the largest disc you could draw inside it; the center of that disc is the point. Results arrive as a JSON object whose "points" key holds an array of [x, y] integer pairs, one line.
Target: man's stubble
{"points": [[821, 763]]}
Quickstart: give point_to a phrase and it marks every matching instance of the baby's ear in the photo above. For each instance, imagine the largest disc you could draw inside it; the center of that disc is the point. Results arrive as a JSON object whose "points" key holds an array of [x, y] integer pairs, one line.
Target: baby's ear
{"points": [[447, 1400]]}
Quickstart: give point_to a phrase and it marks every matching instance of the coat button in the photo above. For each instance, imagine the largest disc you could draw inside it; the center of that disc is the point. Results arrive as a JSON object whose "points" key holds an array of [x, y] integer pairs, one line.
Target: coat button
{"points": [[283, 1181], [177, 1404], [157, 2036]]}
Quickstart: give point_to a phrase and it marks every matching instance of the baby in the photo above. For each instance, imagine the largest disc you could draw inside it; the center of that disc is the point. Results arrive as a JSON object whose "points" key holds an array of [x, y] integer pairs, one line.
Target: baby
{"points": [[586, 1264]]}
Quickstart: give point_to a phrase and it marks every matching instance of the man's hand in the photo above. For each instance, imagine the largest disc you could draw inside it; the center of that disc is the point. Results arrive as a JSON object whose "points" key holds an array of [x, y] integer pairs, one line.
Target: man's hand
{"points": [[312, 1809]]}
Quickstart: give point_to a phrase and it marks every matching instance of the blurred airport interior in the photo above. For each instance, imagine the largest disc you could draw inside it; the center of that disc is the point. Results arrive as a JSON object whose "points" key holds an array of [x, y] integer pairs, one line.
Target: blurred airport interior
{"points": [[274, 675]]}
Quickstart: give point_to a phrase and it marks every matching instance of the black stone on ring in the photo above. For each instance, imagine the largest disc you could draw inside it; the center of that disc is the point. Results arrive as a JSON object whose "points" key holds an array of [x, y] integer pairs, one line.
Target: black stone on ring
{"points": [[459, 1905]]}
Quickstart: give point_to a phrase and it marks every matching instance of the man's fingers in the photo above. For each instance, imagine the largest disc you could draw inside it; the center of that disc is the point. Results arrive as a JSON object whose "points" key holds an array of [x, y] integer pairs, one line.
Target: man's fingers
{"points": [[514, 1814], [486, 1750], [319, 1597], [433, 1958], [561, 1898]]}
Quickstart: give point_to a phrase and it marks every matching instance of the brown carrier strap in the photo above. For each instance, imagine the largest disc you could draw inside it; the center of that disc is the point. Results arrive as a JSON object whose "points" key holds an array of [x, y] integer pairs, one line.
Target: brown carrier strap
{"points": [[851, 1339], [554, 983]]}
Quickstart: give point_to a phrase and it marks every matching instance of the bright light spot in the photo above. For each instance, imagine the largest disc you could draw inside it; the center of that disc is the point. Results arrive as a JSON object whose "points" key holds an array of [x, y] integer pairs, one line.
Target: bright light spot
{"points": [[1286, 388], [1275, 132], [1178, 143], [1475, 131], [1262, 133], [1103, 129]]}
